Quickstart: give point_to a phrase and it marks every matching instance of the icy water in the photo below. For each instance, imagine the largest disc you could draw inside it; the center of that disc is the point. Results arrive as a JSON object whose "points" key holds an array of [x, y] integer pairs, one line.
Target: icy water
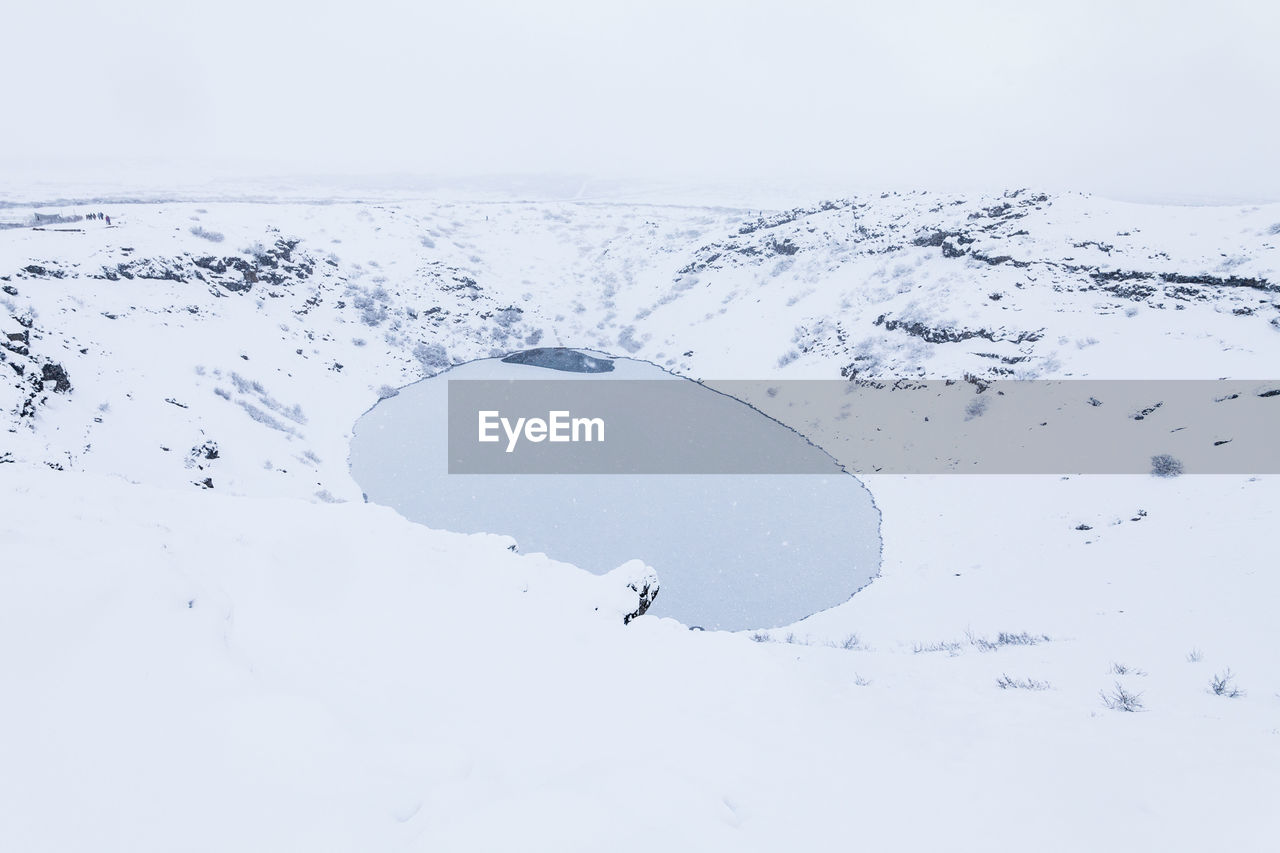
{"points": [[732, 551]]}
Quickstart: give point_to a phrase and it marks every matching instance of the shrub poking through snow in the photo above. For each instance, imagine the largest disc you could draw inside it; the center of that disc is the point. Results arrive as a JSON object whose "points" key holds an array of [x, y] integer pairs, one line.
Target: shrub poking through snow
{"points": [[944, 646], [1022, 638], [1004, 682], [1005, 638], [204, 234], [1164, 465], [1125, 669], [1120, 699], [1222, 685]]}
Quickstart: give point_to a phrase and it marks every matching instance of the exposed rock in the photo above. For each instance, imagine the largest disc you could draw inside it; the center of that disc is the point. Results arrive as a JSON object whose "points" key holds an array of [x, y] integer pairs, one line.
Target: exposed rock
{"points": [[55, 373], [465, 286], [764, 223], [942, 335], [208, 450], [632, 588], [647, 592], [1215, 281], [937, 239]]}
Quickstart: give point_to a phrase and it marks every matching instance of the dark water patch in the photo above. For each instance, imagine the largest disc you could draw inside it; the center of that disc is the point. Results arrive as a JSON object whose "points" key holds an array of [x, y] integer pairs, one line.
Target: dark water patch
{"points": [[561, 358]]}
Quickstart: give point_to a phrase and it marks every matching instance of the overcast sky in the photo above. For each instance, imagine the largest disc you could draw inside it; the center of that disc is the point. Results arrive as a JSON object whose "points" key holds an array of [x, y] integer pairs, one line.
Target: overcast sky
{"points": [[1130, 99]]}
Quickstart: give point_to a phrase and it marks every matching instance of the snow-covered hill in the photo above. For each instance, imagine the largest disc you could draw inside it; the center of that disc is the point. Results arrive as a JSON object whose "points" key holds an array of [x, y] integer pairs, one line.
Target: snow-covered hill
{"points": [[271, 337], [201, 653]]}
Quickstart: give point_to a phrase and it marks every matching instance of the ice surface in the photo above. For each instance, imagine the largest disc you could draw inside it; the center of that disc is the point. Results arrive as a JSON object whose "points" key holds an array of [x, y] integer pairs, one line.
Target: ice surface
{"points": [[733, 551]]}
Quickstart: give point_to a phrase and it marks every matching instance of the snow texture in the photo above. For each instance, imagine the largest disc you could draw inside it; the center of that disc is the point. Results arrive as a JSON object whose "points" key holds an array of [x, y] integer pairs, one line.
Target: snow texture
{"points": [[210, 643]]}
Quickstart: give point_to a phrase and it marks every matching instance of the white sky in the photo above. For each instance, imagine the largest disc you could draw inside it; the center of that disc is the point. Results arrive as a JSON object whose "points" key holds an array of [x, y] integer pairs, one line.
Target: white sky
{"points": [[1131, 99]]}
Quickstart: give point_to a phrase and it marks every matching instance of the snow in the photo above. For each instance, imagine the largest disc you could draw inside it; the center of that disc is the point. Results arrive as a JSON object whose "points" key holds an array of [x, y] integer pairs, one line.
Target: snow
{"points": [[273, 664], [196, 671]]}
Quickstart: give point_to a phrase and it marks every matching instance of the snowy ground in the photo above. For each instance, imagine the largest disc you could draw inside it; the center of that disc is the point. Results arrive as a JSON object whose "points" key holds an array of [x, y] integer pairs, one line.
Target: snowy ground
{"points": [[210, 643]]}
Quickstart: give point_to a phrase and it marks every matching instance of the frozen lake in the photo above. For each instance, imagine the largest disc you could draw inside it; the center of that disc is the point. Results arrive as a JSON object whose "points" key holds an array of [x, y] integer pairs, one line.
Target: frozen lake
{"points": [[732, 551]]}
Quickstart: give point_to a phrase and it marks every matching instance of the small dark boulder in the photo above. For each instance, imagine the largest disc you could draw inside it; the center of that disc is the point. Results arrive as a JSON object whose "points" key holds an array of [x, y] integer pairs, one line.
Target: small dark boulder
{"points": [[56, 374]]}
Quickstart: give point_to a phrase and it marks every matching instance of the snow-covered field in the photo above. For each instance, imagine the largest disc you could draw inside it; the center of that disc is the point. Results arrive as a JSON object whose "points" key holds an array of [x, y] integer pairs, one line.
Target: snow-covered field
{"points": [[209, 642]]}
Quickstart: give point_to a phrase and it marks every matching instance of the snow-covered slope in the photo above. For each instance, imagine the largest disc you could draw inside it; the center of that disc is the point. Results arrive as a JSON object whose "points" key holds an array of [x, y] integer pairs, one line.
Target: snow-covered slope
{"points": [[270, 340], [199, 672], [251, 668]]}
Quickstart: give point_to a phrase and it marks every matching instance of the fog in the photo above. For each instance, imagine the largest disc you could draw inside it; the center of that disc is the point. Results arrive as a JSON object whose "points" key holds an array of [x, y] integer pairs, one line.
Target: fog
{"points": [[1134, 100]]}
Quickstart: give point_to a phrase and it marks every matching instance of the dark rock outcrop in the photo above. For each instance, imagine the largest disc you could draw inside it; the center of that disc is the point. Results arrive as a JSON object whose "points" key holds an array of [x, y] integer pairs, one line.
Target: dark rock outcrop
{"points": [[55, 373]]}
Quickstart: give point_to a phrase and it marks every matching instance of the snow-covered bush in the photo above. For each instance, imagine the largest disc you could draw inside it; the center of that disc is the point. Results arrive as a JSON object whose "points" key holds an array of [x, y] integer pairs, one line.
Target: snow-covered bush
{"points": [[433, 356], [205, 234], [373, 314], [1125, 669], [1221, 685], [1004, 682], [1120, 699]]}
